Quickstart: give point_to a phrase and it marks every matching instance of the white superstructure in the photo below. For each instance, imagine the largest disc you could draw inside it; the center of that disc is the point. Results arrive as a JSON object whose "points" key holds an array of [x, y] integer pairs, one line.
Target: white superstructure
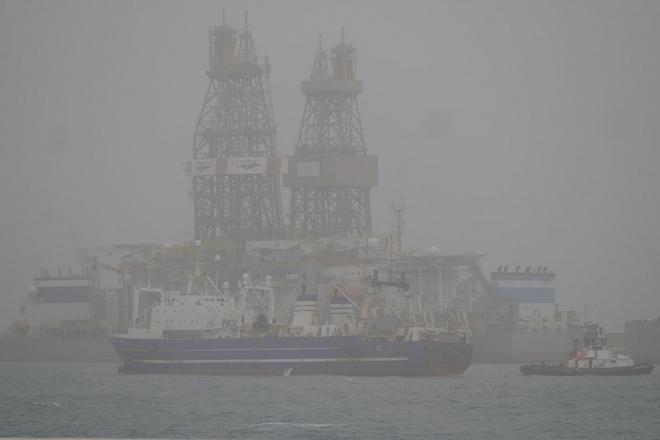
{"points": [[305, 321], [595, 355], [342, 316], [174, 314]]}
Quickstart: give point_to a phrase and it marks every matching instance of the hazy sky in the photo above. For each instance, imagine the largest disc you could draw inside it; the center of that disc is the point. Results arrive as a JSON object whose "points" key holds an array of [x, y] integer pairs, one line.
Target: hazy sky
{"points": [[527, 131]]}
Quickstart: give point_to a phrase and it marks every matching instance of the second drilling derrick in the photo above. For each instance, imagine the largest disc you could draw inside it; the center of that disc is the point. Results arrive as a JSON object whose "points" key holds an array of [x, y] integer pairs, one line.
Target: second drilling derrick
{"points": [[235, 166], [330, 174]]}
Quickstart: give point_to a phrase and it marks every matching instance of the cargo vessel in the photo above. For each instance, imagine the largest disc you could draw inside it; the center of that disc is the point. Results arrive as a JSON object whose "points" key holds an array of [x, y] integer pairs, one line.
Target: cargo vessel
{"points": [[198, 332]]}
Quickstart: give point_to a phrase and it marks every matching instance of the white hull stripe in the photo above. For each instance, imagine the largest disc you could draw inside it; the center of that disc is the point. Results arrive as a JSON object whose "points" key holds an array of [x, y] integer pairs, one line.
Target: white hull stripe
{"points": [[263, 361], [229, 349]]}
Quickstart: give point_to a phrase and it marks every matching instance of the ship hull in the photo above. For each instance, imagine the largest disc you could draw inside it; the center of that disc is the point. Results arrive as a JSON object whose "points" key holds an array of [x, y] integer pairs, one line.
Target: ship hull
{"points": [[561, 370], [338, 355]]}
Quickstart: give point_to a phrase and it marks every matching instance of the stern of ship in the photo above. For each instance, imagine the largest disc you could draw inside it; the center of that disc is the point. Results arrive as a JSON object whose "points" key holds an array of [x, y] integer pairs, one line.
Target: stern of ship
{"points": [[446, 358]]}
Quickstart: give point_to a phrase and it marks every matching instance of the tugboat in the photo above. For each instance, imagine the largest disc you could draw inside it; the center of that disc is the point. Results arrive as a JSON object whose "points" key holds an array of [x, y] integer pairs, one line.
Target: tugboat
{"points": [[591, 357]]}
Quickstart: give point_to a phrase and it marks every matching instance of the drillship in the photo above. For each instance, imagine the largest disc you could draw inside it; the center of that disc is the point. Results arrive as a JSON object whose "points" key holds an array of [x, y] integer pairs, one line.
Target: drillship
{"points": [[215, 332]]}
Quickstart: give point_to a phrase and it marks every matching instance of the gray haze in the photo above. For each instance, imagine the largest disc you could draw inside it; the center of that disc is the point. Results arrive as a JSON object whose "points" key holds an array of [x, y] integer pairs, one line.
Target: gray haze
{"points": [[523, 130]]}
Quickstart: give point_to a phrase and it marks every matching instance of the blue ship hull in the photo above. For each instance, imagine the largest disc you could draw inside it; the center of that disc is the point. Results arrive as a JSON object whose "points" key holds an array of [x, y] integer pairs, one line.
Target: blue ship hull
{"points": [[342, 355]]}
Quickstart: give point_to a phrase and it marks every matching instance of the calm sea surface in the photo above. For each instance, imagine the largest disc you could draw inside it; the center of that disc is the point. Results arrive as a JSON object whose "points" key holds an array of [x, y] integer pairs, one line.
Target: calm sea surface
{"points": [[488, 402]]}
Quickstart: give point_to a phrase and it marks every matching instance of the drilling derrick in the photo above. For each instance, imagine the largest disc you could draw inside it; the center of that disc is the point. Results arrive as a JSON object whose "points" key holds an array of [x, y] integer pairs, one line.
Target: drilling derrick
{"points": [[235, 167], [330, 174]]}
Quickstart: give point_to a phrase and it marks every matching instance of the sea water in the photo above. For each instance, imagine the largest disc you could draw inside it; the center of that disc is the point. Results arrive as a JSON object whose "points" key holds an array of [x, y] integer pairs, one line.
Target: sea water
{"points": [[487, 402]]}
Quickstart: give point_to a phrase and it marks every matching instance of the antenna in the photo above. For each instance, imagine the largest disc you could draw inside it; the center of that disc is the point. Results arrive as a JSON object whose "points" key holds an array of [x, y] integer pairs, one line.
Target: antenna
{"points": [[245, 18], [223, 17], [342, 35]]}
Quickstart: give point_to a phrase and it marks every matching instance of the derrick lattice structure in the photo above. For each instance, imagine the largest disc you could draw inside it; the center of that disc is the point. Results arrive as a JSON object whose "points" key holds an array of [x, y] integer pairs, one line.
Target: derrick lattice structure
{"points": [[235, 166], [330, 195]]}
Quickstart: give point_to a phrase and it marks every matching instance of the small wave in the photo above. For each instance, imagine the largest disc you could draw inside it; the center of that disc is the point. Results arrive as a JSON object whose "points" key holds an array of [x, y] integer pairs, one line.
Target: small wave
{"points": [[350, 379], [47, 404], [296, 425]]}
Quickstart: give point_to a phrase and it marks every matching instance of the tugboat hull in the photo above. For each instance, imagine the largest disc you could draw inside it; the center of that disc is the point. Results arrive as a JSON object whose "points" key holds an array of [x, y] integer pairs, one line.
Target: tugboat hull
{"points": [[562, 370]]}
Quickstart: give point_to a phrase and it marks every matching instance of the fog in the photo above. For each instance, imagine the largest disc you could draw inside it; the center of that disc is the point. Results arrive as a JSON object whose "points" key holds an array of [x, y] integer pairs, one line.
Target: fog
{"points": [[524, 131]]}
